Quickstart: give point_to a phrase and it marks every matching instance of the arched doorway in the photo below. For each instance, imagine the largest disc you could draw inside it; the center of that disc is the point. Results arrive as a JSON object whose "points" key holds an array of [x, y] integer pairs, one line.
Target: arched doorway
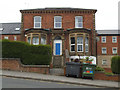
{"points": [[57, 50]]}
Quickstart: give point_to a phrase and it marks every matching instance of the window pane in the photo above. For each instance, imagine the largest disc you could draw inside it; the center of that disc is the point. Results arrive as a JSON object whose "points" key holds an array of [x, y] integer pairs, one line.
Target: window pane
{"points": [[35, 40], [57, 24], [79, 40], [86, 48], [58, 19], [72, 47], [29, 39], [72, 40], [37, 19], [80, 48], [104, 50], [86, 40], [78, 21], [37, 25], [43, 40]]}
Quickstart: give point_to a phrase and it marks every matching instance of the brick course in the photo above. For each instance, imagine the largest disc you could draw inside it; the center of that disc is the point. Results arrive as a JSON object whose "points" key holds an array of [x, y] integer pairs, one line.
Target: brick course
{"points": [[16, 65]]}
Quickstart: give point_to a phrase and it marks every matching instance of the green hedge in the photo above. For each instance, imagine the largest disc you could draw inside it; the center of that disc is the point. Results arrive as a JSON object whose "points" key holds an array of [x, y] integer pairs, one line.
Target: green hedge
{"points": [[99, 69], [115, 64], [29, 54]]}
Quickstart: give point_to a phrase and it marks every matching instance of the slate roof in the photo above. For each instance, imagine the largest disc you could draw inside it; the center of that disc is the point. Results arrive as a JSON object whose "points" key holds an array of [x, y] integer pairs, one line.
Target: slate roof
{"points": [[9, 28], [108, 32], [61, 8]]}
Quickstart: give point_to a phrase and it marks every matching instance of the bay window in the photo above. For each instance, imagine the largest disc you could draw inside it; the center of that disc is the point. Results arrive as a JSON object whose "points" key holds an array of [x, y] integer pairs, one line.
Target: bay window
{"points": [[86, 44], [72, 44], [80, 44], [35, 40], [43, 40]]}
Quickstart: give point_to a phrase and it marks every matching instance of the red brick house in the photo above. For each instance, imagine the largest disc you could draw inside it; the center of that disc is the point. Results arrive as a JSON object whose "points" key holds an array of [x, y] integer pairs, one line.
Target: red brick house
{"points": [[69, 31], [108, 45], [10, 31]]}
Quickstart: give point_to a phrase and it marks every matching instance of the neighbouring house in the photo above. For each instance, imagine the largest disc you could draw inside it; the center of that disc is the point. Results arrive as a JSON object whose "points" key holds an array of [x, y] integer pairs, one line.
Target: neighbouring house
{"points": [[69, 31], [108, 45], [10, 31]]}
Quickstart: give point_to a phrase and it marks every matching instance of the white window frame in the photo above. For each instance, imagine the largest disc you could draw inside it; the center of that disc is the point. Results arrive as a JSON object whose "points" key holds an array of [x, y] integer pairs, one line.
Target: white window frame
{"points": [[103, 38], [80, 45], [71, 44], [57, 22], [6, 37], [113, 39], [15, 38], [37, 22], [104, 61], [77, 23], [104, 52], [113, 51]]}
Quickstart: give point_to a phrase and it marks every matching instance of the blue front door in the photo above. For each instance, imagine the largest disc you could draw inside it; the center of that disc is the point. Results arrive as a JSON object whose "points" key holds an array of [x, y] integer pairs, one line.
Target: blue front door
{"points": [[57, 51]]}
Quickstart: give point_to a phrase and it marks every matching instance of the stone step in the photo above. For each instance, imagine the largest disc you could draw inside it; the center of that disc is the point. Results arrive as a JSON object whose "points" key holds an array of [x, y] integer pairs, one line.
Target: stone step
{"points": [[57, 71]]}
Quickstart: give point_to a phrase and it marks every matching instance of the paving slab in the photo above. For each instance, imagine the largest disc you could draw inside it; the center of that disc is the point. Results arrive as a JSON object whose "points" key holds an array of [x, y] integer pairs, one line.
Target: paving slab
{"points": [[71, 80]]}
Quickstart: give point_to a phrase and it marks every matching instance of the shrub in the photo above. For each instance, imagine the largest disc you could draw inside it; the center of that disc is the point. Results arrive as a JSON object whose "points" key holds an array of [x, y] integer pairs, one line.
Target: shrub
{"points": [[99, 69], [115, 64], [29, 54]]}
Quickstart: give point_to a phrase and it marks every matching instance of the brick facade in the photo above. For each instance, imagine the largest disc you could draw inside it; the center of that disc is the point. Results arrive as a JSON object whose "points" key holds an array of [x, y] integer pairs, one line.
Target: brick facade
{"points": [[108, 45], [68, 29]]}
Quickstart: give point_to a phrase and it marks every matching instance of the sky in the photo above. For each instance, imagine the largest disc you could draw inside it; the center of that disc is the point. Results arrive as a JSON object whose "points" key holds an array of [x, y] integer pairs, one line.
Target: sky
{"points": [[106, 16]]}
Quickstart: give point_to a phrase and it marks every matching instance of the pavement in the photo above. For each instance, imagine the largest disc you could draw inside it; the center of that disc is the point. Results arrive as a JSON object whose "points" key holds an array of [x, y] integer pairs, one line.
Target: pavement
{"points": [[62, 79]]}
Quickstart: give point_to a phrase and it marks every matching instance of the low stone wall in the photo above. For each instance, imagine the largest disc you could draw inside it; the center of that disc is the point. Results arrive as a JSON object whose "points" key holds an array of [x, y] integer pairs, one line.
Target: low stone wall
{"points": [[16, 65]]}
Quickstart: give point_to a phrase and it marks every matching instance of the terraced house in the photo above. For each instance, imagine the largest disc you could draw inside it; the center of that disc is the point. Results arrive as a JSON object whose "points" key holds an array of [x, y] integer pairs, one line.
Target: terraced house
{"points": [[69, 31]]}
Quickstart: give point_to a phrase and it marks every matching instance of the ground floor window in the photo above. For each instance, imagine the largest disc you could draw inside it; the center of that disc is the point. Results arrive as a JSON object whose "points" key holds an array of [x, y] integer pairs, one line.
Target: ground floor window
{"points": [[114, 50], [104, 62], [72, 44], [79, 42], [36, 40], [43, 40]]}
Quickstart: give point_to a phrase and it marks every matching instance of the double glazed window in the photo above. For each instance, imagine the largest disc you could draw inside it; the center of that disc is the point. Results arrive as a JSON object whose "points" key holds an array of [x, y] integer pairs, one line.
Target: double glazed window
{"points": [[79, 22], [57, 22], [37, 22], [72, 44], [80, 44]]}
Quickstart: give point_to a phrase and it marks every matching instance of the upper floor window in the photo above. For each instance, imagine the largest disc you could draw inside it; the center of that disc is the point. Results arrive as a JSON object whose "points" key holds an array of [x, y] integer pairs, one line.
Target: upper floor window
{"points": [[57, 22], [79, 22], [37, 22], [103, 39], [80, 44], [114, 39]]}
